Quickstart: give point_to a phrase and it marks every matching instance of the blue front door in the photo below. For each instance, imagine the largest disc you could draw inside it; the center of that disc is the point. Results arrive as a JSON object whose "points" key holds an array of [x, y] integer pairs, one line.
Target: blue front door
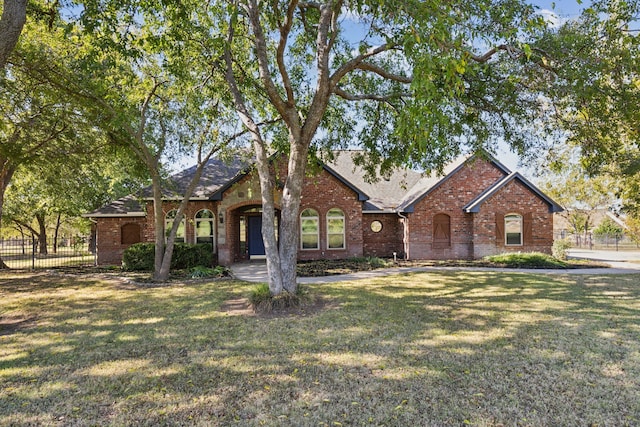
{"points": [[256, 244]]}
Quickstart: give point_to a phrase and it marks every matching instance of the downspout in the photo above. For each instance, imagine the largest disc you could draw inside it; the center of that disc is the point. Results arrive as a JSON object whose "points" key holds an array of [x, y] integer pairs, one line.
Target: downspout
{"points": [[405, 237]]}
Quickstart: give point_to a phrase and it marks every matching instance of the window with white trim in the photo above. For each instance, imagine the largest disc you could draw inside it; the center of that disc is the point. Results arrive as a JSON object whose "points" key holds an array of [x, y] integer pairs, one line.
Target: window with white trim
{"points": [[335, 229], [204, 226], [168, 223], [513, 230], [309, 230]]}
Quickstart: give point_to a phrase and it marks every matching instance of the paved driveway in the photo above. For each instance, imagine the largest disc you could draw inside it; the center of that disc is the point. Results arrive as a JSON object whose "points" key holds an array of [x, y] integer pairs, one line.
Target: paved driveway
{"points": [[620, 262], [613, 256]]}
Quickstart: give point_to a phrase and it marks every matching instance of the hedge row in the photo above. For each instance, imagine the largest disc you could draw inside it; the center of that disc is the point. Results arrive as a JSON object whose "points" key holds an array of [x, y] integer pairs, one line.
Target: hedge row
{"points": [[140, 256]]}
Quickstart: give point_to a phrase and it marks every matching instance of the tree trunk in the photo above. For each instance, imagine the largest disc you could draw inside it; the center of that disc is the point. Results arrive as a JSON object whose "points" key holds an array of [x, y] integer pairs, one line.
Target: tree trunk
{"points": [[159, 274], [6, 172], [14, 15], [55, 235], [267, 186], [291, 197], [42, 234]]}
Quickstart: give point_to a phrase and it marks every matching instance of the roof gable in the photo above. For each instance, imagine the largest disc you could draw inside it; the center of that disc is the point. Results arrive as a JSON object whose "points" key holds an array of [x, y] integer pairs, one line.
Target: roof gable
{"points": [[431, 182], [474, 205]]}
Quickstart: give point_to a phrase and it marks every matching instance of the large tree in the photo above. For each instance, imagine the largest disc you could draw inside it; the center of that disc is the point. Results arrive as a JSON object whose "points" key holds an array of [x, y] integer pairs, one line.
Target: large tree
{"points": [[413, 83], [159, 94], [38, 125]]}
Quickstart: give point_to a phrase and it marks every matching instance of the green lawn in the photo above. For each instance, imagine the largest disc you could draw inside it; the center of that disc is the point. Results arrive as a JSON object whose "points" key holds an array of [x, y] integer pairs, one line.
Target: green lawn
{"points": [[442, 348]]}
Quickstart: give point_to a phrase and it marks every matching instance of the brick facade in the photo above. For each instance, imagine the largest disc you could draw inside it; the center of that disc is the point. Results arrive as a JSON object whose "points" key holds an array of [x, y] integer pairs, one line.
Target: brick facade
{"points": [[436, 225], [517, 199], [449, 198]]}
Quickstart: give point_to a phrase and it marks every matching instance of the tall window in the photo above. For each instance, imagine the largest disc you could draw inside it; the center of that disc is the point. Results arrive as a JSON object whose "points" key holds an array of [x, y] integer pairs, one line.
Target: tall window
{"points": [[168, 223], [309, 229], [335, 229], [441, 231], [513, 229], [204, 226]]}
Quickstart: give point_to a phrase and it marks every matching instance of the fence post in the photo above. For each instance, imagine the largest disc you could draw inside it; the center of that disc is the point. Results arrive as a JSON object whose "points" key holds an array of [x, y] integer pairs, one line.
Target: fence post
{"points": [[34, 242]]}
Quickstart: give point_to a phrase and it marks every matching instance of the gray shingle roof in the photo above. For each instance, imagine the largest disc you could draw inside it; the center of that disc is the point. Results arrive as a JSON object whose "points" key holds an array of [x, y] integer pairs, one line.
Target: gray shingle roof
{"points": [[385, 193], [398, 192], [216, 174]]}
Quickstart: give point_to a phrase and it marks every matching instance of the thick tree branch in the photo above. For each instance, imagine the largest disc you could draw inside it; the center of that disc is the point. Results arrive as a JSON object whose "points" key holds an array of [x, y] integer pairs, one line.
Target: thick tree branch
{"points": [[358, 60], [14, 15], [323, 85], [253, 10], [370, 97], [384, 73], [285, 30]]}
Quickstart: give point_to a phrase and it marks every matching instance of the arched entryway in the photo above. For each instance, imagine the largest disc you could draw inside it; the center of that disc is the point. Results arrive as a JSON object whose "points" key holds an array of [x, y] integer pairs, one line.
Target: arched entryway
{"points": [[247, 222]]}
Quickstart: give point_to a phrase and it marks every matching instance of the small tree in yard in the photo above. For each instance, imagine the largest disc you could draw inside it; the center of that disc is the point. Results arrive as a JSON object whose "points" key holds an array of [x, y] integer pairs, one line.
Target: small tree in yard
{"points": [[608, 228]]}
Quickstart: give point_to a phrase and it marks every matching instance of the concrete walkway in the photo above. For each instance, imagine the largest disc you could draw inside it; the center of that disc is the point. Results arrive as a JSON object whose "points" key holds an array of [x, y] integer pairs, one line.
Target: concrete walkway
{"points": [[256, 271]]}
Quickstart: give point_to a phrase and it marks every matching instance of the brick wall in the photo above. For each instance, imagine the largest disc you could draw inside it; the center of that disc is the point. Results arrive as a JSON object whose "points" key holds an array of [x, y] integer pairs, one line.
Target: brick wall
{"points": [[323, 192], [513, 198], [109, 237], [385, 242], [449, 198]]}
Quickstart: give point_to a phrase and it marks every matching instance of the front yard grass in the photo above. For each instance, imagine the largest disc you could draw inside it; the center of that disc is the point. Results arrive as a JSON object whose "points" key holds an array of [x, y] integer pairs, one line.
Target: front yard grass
{"points": [[439, 348]]}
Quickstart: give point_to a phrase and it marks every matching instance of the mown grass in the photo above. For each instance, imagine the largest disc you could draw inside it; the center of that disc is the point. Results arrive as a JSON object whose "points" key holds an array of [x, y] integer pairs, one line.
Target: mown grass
{"points": [[438, 348]]}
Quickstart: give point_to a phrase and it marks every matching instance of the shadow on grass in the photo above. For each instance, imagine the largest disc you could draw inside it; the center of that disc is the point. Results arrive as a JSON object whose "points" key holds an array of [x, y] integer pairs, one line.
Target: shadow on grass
{"points": [[446, 348]]}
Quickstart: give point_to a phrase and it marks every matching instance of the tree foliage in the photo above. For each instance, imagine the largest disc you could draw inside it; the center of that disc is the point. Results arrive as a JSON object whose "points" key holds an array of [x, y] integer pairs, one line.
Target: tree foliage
{"points": [[594, 91]]}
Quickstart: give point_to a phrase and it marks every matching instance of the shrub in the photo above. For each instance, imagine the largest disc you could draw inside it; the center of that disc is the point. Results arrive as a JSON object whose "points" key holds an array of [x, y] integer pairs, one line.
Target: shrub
{"points": [[262, 301], [560, 248], [526, 260], [372, 261], [203, 272], [186, 256], [140, 256]]}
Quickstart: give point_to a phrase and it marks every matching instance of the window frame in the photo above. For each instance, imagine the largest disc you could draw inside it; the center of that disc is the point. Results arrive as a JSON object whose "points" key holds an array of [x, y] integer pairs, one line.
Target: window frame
{"points": [[314, 216], [344, 228], [512, 217], [168, 221], [197, 221]]}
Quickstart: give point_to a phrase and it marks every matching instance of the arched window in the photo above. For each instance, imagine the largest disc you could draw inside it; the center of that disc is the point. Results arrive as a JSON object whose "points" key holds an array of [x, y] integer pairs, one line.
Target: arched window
{"points": [[204, 227], [441, 231], [335, 229], [309, 229], [513, 230], [168, 223], [130, 234]]}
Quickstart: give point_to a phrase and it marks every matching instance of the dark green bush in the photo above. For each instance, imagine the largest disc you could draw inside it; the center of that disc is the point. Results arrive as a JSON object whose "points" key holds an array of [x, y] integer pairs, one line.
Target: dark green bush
{"points": [[140, 256], [526, 260], [187, 256]]}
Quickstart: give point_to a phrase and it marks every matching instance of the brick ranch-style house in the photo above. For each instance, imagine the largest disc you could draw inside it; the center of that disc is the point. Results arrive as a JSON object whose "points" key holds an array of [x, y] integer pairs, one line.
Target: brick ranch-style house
{"points": [[477, 207]]}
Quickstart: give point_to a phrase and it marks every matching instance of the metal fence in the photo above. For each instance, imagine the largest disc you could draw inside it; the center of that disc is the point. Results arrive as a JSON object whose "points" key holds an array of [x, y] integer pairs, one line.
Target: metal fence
{"points": [[27, 253], [615, 242]]}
